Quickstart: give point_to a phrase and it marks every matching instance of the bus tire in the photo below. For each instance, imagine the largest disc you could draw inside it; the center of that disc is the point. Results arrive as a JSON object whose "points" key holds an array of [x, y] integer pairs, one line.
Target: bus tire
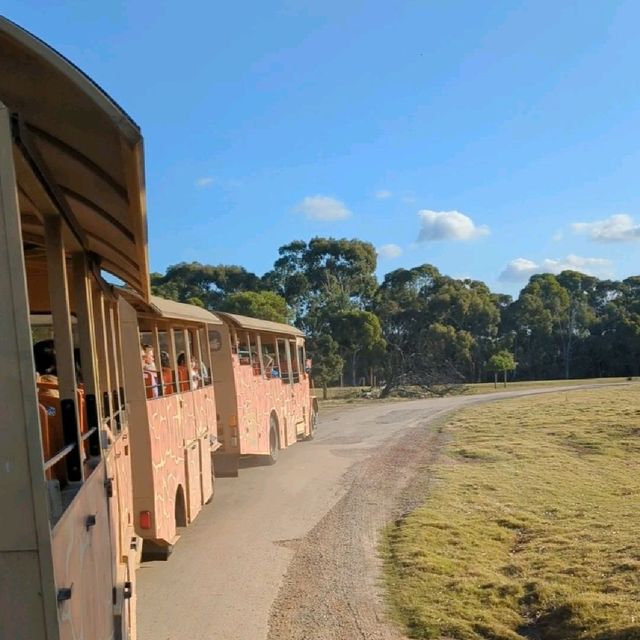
{"points": [[274, 441]]}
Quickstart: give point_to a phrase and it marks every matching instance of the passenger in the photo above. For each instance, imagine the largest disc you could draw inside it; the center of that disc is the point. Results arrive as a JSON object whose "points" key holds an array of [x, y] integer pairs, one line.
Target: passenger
{"points": [[44, 355], [167, 374], [195, 375], [49, 379], [183, 373], [149, 369], [268, 362], [204, 373]]}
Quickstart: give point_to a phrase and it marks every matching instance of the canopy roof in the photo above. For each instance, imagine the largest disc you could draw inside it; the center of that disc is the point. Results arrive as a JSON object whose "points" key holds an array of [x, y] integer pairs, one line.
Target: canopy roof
{"points": [[78, 154], [255, 324], [182, 311], [168, 309]]}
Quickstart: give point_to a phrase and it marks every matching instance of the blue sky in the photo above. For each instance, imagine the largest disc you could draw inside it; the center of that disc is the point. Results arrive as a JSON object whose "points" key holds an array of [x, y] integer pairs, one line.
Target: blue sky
{"points": [[492, 139]]}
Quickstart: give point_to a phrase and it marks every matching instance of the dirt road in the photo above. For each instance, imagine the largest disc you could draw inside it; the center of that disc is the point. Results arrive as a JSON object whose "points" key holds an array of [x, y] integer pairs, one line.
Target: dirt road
{"points": [[289, 551]]}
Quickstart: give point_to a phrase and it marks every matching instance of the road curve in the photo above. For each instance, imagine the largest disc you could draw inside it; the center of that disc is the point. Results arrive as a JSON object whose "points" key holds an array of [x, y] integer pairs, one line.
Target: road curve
{"points": [[262, 561]]}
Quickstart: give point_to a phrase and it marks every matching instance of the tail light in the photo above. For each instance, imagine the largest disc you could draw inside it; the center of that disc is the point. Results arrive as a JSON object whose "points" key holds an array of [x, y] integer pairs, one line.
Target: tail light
{"points": [[146, 520]]}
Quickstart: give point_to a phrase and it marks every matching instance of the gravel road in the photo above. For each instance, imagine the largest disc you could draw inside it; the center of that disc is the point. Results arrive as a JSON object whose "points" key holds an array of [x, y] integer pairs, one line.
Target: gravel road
{"points": [[289, 552]]}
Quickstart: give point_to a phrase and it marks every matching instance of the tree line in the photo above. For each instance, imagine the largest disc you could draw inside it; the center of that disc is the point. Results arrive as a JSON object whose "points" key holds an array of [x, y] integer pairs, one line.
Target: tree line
{"points": [[418, 326]]}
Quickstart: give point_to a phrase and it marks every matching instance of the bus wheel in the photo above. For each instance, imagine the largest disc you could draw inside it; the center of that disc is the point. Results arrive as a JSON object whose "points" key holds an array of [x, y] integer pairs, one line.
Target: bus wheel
{"points": [[273, 440]]}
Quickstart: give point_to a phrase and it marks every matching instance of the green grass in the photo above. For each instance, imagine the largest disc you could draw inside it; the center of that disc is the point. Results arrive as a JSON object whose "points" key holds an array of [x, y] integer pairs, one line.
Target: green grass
{"points": [[488, 387], [337, 396], [531, 529]]}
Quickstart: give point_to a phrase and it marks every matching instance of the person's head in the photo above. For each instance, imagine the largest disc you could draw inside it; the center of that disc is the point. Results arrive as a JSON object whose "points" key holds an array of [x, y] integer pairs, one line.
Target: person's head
{"points": [[146, 351], [164, 360], [44, 355], [182, 359], [48, 379]]}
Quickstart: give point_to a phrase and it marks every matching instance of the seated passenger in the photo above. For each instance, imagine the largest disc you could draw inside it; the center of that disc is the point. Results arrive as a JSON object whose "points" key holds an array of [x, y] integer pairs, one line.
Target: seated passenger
{"points": [[183, 373], [149, 370], [47, 387], [194, 372], [44, 355]]}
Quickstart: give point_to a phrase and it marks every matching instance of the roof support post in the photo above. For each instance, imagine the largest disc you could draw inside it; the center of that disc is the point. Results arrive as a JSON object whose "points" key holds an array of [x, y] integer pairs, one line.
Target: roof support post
{"points": [[260, 354], [103, 357], [26, 562], [86, 334], [112, 358], [63, 339]]}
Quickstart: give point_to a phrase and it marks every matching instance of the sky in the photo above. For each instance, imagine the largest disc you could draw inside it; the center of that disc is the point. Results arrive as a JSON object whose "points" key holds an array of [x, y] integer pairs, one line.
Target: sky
{"points": [[492, 139]]}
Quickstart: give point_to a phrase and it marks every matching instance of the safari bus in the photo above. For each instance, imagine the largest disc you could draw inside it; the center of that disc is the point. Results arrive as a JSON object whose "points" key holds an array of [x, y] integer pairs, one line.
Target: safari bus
{"points": [[172, 403], [263, 389], [71, 208]]}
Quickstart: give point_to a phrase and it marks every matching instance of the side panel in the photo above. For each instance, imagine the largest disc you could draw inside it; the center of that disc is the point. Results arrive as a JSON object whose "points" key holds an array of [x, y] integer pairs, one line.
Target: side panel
{"points": [[139, 431], [167, 456], [83, 561], [257, 397], [189, 428], [193, 489], [206, 472], [28, 609]]}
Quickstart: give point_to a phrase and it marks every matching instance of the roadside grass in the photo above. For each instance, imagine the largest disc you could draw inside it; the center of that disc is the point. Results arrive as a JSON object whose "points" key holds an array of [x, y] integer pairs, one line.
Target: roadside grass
{"points": [[337, 396], [530, 529]]}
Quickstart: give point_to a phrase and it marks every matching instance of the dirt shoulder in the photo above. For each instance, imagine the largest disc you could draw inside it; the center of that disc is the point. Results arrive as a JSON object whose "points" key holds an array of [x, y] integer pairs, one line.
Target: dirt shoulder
{"points": [[330, 590]]}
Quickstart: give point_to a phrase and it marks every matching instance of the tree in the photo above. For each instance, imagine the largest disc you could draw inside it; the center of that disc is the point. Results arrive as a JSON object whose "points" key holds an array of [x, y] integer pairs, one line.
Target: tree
{"points": [[265, 305], [503, 361], [357, 333], [210, 284], [324, 269], [540, 318], [327, 364]]}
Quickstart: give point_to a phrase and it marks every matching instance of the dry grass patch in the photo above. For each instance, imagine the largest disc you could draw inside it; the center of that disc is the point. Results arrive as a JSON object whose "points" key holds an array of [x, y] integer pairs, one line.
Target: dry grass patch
{"points": [[532, 528]]}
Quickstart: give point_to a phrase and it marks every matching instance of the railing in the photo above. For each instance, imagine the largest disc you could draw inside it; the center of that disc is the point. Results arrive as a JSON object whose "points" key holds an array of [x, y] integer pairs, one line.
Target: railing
{"points": [[63, 453]]}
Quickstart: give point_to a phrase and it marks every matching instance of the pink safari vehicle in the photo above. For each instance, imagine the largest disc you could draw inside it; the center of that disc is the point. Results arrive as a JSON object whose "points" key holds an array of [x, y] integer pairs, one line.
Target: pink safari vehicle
{"points": [[263, 395], [173, 407]]}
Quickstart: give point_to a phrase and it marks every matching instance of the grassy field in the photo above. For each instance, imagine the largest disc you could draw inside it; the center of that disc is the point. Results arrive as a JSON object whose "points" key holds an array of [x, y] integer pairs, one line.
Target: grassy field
{"points": [[531, 528], [342, 395]]}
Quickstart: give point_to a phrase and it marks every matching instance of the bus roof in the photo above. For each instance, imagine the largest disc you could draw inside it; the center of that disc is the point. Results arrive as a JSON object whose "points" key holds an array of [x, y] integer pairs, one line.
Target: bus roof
{"points": [[255, 324], [182, 311], [77, 153], [163, 308]]}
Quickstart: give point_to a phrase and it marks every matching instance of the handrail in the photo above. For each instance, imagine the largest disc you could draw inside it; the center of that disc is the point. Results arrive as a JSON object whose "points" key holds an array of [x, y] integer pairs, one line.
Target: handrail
{"points": [[88, 434], [61, 454]]}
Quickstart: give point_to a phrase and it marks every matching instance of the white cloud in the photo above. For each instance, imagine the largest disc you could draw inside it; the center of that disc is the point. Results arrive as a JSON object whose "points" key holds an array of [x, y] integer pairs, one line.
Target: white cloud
{"points": [[448, 225], [382, 194], [205, 182], [323, 208], [521, 269], [557, 236], [617, 228], [389, 251]]}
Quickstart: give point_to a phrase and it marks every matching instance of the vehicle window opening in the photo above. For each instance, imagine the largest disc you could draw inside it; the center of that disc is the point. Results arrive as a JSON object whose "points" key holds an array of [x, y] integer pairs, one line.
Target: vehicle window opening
{"points": [[295, 361], [205, 354], [270, 357], [244, 349]]}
